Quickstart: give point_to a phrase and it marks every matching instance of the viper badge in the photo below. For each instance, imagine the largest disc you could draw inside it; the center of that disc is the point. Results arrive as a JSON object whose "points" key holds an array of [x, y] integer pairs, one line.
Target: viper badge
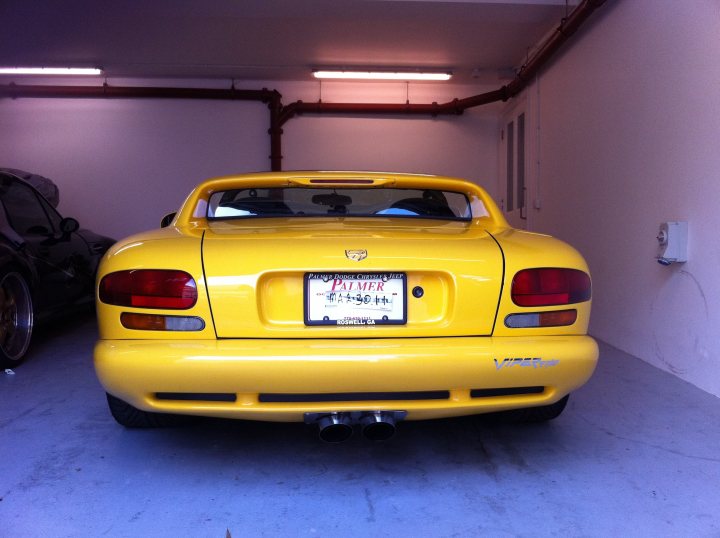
{"points": [[356, 255]]}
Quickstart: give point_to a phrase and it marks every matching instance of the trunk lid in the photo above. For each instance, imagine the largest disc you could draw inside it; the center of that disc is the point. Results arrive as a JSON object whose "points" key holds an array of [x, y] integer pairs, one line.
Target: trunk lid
{"points": [[256, 270]]}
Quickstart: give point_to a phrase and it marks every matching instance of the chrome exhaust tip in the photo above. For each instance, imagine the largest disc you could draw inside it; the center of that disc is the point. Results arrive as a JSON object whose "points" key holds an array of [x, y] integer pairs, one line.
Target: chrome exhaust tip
{"points": [[378, 426], [335, 427]]}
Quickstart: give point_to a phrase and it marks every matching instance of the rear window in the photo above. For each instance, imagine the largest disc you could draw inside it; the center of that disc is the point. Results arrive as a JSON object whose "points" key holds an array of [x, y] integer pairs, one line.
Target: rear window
{"points": [[355, 202]]}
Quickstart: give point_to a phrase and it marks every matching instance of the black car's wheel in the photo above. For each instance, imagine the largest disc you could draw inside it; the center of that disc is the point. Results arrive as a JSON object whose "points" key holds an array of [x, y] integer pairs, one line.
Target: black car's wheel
{"points": [[131, 417], [16, 318], [543, 413]]}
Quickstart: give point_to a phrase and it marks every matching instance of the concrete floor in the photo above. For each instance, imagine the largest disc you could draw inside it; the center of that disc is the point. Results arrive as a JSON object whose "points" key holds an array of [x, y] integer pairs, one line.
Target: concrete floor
{"points": [[635, 454]]}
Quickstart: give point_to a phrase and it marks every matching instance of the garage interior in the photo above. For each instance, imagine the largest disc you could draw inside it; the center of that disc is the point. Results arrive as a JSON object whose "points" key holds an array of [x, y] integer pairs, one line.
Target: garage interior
{"points": [[620, 126]]}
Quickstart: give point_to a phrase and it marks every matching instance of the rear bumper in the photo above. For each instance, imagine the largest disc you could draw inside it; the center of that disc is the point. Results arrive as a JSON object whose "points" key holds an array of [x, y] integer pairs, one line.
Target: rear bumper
{"points": [[281, 380]]}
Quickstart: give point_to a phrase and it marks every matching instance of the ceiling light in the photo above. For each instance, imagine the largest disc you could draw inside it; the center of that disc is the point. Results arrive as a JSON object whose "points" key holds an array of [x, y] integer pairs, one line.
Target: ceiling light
{"points": [[50, 71], [383, 75]]}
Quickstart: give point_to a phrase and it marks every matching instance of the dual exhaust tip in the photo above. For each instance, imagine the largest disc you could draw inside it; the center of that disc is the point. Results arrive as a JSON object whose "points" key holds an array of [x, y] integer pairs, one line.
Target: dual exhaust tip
{"points": [[376, 425]]}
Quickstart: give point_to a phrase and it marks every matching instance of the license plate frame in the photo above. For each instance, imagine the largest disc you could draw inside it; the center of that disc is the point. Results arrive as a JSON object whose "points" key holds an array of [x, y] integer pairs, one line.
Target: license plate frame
{"points": [[361, 302]]}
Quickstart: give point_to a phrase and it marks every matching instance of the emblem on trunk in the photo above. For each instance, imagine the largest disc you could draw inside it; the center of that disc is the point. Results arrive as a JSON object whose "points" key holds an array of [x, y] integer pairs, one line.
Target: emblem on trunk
{"points": [[356, 255]]}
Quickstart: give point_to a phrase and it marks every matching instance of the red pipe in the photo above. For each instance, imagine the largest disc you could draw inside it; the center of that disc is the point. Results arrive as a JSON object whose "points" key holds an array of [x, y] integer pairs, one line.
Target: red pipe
{"points": [[13, 90], [275, 132], [454, 107], [280, 114], [299, 107], [546, 51], [271, 97]]}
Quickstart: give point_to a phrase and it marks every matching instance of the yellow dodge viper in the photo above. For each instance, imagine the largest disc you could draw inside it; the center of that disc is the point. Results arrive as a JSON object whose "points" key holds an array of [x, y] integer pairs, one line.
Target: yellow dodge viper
{"points": [[341, 299]]}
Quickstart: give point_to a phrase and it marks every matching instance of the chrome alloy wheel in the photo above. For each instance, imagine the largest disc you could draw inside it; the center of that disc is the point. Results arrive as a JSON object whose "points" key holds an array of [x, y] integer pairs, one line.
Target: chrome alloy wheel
{"points": [[16, 316]]}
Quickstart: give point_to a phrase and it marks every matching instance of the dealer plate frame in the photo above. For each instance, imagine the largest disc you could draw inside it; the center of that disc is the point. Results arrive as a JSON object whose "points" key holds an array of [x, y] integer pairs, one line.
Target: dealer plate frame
{"points": [[384, 276]]}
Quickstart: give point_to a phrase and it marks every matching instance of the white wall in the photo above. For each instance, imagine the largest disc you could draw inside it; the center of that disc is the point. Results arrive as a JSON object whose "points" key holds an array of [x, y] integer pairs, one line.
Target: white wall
{"points": [[121, 164], [463, 146], [630, 137]]}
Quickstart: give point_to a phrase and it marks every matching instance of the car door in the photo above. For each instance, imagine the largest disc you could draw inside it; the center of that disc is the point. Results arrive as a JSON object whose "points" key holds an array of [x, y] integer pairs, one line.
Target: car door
{"points": [[58, 257]]}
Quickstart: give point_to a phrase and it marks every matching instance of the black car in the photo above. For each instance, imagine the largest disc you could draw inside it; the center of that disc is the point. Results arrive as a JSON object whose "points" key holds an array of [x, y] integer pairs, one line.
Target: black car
{"points": [[47, 264]]}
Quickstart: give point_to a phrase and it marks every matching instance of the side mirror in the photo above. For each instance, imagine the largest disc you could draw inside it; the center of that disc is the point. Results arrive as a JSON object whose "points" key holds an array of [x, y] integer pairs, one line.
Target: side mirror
{"points": [[167, 220], [69, 225]]}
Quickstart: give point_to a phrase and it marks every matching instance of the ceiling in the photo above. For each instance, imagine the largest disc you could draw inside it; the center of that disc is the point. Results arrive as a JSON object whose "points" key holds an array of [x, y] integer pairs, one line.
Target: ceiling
{"points": [[478, 40]]}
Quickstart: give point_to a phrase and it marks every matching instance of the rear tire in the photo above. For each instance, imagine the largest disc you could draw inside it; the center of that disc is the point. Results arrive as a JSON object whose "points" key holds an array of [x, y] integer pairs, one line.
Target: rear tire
{"points": [[131, 417], [542, 413], [16, 318]]}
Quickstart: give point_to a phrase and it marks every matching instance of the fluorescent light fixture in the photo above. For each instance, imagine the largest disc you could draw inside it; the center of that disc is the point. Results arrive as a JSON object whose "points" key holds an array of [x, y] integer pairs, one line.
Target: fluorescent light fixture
{"points": [[50, 71], [383, 75]]}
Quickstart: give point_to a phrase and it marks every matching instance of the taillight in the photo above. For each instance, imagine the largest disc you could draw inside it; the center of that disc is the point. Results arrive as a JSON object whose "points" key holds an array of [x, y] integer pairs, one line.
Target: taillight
{"points": [[550, 286], [149, 288]]}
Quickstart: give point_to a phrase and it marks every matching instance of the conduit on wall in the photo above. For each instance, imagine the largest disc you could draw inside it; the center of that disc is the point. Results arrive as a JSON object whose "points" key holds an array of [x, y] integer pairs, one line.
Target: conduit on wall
{"points": [[281, 114]]}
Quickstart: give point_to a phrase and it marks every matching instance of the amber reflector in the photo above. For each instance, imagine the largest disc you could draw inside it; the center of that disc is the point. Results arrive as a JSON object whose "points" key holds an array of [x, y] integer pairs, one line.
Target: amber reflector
{"points": [[153, 322]]}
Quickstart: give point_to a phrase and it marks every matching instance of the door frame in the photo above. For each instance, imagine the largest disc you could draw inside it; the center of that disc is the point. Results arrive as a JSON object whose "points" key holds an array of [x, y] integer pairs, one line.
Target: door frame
{"points": [[527, 189]]}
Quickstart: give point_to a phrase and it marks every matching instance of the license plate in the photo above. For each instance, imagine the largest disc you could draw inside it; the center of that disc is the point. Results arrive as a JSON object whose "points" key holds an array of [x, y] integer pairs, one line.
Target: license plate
{"points": [[347, 299]]}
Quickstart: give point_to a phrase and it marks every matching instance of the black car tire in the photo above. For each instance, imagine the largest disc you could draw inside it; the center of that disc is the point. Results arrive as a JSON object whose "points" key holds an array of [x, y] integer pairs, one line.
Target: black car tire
{"points": [[131, 417], [16, 318], [542, 413]]}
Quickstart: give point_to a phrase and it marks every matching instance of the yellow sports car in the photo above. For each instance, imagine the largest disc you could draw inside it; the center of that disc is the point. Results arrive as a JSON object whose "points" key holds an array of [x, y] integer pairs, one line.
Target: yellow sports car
{"points": [[341, 298]]}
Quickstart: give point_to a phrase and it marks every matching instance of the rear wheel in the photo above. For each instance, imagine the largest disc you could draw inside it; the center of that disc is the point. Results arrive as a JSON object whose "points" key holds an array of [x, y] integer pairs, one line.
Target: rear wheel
{"points": [[131, 417], [16, 318], [542, 413]]}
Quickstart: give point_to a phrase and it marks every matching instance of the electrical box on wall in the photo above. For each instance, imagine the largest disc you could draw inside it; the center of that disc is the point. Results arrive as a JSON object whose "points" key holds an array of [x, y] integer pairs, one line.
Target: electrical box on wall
{"points": [[672, 241]]}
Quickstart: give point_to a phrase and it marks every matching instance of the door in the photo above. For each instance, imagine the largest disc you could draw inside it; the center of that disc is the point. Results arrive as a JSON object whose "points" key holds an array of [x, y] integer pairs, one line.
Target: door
{"points": [[57, 256], [513, 185]]}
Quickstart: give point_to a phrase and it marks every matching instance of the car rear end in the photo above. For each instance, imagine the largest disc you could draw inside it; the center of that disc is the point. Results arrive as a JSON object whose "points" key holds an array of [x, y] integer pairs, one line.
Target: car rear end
{"points": [[342, 298]]}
